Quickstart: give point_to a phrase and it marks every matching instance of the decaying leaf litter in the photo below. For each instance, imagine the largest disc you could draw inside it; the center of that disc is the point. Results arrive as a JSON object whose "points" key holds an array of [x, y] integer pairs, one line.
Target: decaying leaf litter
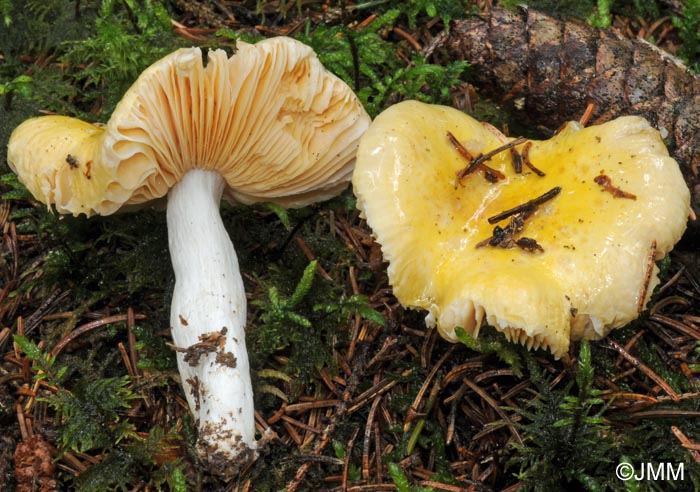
{"points": [[392, 407]]}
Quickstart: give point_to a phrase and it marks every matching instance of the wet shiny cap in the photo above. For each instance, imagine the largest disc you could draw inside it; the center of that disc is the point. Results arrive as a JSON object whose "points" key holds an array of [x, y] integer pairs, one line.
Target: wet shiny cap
{"points": [[546, 241]]}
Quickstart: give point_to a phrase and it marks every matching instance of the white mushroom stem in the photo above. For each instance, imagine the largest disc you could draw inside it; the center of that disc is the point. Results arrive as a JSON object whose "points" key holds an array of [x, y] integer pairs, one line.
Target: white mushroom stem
{"points": [[208, 316]]}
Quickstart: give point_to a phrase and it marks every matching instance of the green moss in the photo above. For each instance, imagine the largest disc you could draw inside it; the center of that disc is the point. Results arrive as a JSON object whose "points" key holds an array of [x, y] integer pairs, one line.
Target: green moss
{"points": [[128, 37], [370, 63], [649, 355], [308, 338], [566, 444], [154, 353], [100, 259], [135, 463], [596, 12], [40, 26], [445, 9], [21, 109], [688, 25], [90, 407]]}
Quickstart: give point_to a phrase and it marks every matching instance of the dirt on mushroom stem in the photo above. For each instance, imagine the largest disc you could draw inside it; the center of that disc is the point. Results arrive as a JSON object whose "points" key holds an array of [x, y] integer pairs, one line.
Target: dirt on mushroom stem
{"points": [[209, 293]]}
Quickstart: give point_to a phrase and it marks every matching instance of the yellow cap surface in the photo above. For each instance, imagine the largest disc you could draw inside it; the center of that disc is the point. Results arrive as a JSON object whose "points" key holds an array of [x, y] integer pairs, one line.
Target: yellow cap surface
{"points": [[270, 119], [594, 272]]}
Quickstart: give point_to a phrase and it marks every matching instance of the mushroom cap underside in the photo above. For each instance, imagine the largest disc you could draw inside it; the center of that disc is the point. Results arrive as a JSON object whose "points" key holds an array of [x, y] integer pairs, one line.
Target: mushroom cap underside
{"points": [[593, 268], [271, 119]]}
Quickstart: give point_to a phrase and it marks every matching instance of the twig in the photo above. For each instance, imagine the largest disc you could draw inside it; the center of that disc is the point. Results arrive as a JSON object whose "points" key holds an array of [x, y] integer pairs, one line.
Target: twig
{"points": [[301, 425], [663, 414], [525, 207], [366, 22], [457, 371], [35, 318], [478, 162], [452, 416], [131, 16], [125, 359], [432, 398], [378, 389], [628, 347], [130, 323], [22, 422]]}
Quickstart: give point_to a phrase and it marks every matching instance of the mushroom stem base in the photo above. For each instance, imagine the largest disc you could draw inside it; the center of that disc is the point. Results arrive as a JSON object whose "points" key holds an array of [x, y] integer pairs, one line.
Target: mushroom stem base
{"points": [[208, 316]]}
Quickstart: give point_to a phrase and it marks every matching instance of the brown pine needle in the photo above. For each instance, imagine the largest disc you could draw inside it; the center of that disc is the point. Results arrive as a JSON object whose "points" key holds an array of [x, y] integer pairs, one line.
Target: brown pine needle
{"points": [[484, 396], [676, 325], [368, 434], [478, 162], [412, 41], [414, 409], [641, 303], [446, 487], [133, 354], [125, 358], [692, 448], [606, 183], [90, 326], [348, 455], [525, 156], [645, 369], [300, 425], [587, 114], [637, 398], [663, 414]]}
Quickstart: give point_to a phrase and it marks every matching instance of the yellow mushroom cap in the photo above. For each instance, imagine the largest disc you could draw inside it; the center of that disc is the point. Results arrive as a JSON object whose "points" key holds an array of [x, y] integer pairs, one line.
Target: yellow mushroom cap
{"points": [[596, 271], [270, 119]]}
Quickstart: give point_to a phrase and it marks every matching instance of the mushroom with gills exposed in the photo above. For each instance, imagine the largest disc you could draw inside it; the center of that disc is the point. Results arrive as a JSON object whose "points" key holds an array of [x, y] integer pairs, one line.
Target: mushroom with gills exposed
{"points": [[268, 124], [556, 244]]}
